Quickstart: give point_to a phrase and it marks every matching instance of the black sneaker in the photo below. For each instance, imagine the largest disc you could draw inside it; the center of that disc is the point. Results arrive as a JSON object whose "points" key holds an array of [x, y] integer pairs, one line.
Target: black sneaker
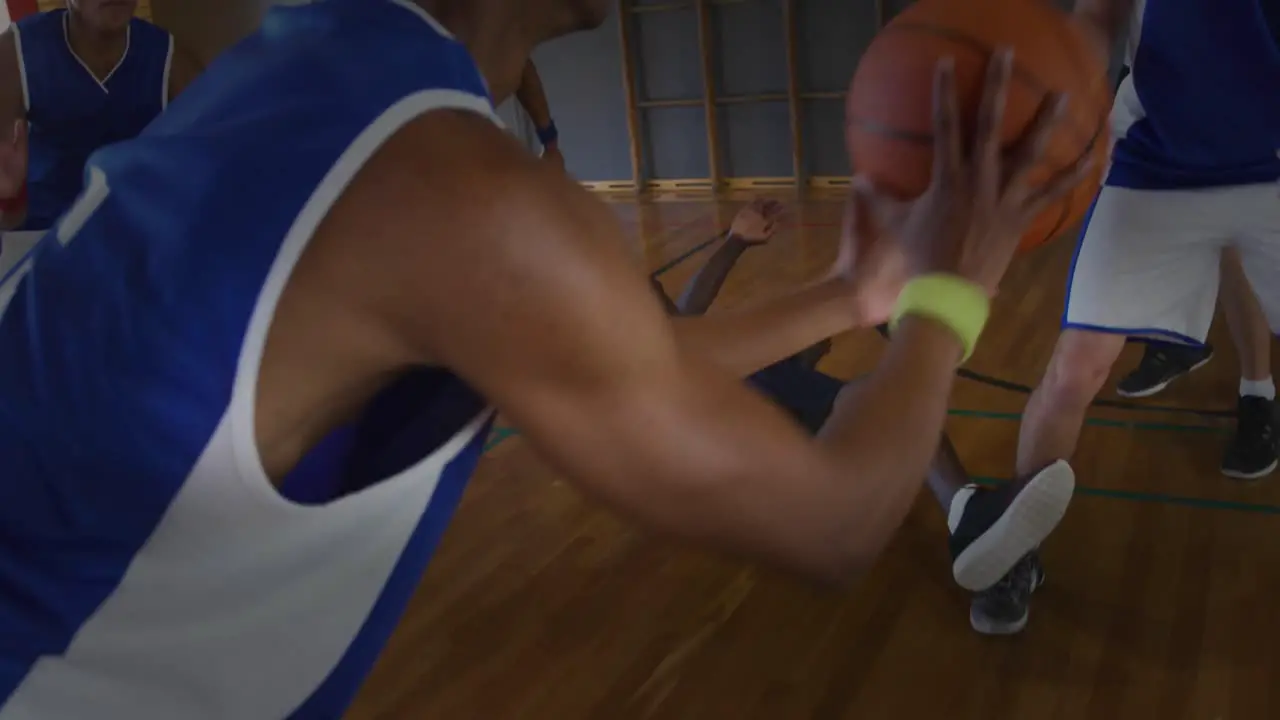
{"points": [[1003, 608], [992, 529], [1251, 453], [1161, 364]]}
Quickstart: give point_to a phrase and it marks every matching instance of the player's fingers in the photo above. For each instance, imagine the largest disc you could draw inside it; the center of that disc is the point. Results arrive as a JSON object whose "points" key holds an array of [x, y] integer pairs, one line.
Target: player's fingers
{"points": [[1032, 146], [1063, 182], [987, 141], [948, 149]]}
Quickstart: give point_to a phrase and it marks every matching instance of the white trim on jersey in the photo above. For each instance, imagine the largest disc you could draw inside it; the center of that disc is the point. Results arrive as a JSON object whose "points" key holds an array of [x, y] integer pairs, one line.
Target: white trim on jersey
{"points": [[417, 10], [1135, 33], [168, 68], [66, 37], [22, 68], [241, 603], [304, 228]]}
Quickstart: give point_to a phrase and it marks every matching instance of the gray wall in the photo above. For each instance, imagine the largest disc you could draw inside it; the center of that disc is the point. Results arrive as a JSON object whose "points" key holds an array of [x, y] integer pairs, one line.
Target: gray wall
{"points": [[583, 78]]}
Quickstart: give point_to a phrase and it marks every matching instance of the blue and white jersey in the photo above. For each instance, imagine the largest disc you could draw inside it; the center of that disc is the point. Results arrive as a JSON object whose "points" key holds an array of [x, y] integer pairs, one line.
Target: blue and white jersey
{"points": [[149, 569], [72, 113], [1205, 83]]}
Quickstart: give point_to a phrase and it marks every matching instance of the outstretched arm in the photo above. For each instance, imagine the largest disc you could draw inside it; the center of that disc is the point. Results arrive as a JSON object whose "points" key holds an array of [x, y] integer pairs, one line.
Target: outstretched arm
{"points": [[560, 331], [753, 225], [533, 98]]}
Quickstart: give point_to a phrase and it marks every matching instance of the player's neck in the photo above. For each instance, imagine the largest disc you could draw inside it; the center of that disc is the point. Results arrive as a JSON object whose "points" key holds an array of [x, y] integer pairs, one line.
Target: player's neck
{"points": [[496, 32], [96, 46]]}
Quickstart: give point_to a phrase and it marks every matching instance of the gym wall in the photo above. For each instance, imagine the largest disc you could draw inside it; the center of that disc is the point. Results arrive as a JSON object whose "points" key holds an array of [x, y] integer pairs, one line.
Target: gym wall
{"points": [[675, 95]]}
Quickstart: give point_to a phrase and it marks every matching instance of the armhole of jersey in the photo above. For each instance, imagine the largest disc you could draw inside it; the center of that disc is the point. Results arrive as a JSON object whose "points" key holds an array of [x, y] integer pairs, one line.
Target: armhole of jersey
{"points": [[241, 415], [168, 71], [22, 69]]}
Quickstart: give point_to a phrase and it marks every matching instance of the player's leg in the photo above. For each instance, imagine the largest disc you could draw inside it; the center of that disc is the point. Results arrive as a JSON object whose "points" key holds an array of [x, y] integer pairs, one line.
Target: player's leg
{"points": [[991, 529], [1251, 452], [1144, 267], [1258, 244]]}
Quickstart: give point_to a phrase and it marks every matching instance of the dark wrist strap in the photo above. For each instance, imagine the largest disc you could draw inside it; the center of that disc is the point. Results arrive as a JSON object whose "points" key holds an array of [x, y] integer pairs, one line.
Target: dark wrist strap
{"points": [[548, 135]]}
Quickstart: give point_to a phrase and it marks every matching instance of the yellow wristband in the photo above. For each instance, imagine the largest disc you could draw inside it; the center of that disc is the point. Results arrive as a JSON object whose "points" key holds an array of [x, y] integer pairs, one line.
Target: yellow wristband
{"points": [[957, 303]]}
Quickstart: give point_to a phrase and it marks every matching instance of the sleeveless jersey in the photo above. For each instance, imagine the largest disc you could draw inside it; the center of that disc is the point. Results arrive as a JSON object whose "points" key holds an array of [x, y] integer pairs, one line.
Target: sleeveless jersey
{"points": [[1205, 81], [148, 567], [71, 113]]}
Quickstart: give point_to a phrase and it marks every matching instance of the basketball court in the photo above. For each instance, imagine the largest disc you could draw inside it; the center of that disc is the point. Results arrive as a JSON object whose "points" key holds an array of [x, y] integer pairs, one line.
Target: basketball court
{"points": [[539, 605], [1159, 602]]}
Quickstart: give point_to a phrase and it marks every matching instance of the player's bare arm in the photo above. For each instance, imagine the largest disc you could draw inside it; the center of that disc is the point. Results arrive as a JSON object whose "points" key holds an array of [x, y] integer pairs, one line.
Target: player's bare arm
{"points": [[13, 131], [515, 278]]}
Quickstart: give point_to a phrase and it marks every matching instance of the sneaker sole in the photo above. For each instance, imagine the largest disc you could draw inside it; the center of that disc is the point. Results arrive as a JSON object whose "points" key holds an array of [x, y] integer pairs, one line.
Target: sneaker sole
{"points": [[984, 626], [1033, 514], [1154, 389], [1255, 475]]}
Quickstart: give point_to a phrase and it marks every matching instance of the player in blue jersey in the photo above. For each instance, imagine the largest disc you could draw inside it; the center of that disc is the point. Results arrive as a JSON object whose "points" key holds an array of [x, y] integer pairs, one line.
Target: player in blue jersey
{"points": [[79, 79], [245, 379], [1196, 127]]}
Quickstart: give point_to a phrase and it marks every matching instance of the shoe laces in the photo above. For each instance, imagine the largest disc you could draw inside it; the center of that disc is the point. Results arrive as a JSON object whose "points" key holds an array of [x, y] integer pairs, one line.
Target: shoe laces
{"points": [[1017, 582]]}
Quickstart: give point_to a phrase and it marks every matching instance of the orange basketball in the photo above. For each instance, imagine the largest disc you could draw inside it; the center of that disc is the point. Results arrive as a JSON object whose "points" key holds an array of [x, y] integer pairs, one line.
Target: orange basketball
{"points": [[889, 115]]}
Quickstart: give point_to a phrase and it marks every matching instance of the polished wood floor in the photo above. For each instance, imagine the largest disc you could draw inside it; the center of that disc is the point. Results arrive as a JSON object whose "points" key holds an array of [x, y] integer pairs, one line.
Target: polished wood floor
{"points": [[1162, 601]]}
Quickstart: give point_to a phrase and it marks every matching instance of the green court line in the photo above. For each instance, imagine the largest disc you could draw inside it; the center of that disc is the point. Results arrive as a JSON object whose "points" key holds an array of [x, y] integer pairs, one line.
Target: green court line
{"points": [[500, 435], [1102, 422]]}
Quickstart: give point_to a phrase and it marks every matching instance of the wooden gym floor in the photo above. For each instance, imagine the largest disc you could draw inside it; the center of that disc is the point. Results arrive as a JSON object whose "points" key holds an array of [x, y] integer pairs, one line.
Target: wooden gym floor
{"points": [[1161, 602]]}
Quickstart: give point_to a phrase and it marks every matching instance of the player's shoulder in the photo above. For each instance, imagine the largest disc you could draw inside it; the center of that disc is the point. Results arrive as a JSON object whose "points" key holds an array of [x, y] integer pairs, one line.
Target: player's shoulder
{"points": [[40, 23]]}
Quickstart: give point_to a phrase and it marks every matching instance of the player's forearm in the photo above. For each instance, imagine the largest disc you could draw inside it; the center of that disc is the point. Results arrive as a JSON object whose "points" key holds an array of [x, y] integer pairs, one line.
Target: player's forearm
{"points": [[705, 285], [533, 98], [885, 430], [727, 470], [744, 341]]}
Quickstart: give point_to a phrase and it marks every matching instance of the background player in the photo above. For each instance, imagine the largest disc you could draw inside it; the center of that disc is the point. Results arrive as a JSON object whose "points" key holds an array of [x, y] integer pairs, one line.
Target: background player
{"points": [[1251, 452], [202, 325], [1182, 186], [80, 79]]}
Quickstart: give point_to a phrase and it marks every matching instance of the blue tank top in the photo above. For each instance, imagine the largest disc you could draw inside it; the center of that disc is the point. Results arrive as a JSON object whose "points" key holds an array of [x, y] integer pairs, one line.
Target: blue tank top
{"points": [[148, 567], [72, 114], [1207, 79]]}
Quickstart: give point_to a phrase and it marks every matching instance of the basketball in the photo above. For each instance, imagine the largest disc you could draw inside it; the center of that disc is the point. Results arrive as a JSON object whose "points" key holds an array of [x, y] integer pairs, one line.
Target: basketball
{"points": [[889, 112]]}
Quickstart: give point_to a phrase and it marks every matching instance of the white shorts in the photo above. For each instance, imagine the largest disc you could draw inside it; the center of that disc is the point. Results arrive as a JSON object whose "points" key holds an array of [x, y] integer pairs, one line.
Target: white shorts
{"points": [[1147, 262]]}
